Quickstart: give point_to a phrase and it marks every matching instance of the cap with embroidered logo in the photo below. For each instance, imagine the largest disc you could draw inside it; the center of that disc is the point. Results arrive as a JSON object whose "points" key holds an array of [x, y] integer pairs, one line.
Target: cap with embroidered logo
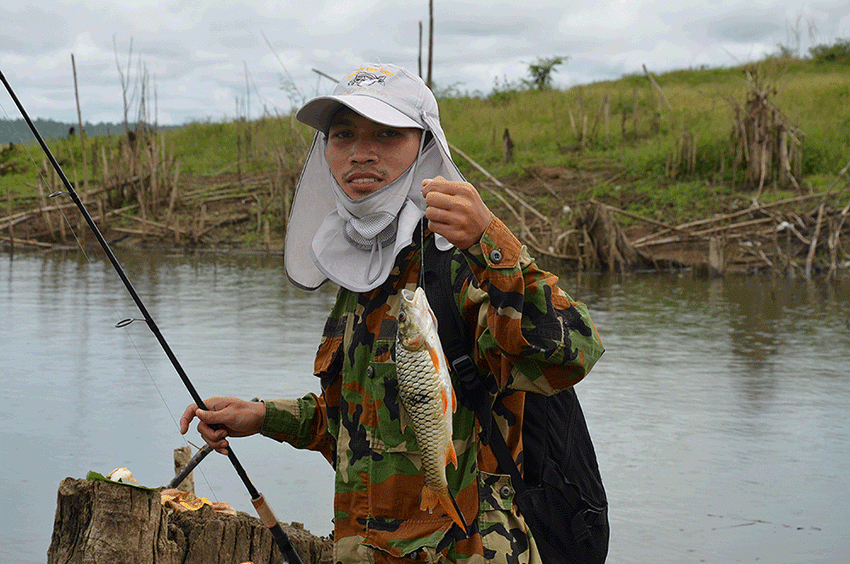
{"points": [[385, 94]]}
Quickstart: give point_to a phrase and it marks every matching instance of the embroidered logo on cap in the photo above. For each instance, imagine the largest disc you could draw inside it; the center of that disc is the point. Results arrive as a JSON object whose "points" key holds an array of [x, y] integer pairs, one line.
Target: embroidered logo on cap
{"points": [[363, 79]]}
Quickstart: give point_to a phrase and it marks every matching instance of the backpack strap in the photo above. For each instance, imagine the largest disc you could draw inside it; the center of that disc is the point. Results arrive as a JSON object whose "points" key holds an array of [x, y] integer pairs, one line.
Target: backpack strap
{"points": [[473, 394], [471, 389]]}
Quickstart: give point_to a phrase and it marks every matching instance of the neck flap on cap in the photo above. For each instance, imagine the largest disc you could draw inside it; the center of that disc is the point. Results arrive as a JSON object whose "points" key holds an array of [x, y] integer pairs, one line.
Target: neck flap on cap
{"points": [[323, 238]]}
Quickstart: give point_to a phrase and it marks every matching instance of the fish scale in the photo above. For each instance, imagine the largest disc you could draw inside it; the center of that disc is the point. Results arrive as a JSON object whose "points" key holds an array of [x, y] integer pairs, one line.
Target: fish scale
{"points": [[427, 397]]}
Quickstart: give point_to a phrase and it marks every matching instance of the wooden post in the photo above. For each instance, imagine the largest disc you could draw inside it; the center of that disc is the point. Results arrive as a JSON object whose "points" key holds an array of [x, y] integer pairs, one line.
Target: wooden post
{"points": [[814, 243], [45, 215], [716, 264], [607, 105], [239, 157], [661, 97], [11, 228], [420, 49], [182, 456], [573, 124], [82, 189], [507, 147], [623, 125], [81, 222], [430, 41], [635, 112]]}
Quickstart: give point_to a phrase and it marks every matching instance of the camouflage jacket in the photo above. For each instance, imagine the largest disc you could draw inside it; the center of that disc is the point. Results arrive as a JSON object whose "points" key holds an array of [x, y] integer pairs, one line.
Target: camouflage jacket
{"points": [[530, 335]]}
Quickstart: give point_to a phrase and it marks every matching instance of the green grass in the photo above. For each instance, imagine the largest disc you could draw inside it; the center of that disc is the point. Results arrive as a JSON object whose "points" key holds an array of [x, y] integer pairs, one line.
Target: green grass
{"points": [[813, 95]]}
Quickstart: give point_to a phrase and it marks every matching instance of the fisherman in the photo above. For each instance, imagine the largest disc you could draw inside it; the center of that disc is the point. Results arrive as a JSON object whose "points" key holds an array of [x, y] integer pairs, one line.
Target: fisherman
{"points": [[379, 164]]}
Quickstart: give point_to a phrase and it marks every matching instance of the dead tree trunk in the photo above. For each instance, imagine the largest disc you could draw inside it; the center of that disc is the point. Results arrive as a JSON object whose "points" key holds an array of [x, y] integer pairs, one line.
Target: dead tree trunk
{"points": [[101, 523], [104, 523]]}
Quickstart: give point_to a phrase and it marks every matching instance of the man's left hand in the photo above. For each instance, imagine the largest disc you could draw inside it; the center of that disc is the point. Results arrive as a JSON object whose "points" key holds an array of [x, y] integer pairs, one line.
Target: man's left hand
{"points": [[455, 211]]}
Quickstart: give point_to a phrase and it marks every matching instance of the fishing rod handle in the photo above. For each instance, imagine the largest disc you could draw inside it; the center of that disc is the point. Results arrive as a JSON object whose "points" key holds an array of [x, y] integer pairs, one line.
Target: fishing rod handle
{"points": [[269, 519]]}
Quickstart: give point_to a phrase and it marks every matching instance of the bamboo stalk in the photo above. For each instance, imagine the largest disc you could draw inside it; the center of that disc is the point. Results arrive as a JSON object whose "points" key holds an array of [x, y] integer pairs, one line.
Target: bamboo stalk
{"points": [[639, 217], [25, 242], [82, 134], [813, 246], [496, 181], [635, 111], [660, 93], [48, 220], [10, 228], [725, 217], [156, 224]]}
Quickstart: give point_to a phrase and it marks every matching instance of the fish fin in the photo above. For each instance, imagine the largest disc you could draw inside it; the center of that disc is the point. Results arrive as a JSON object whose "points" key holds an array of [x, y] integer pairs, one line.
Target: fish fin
{"points": [[454, 400], [435, 357], [403, 418], [433, 316], [430, 499], [451, 454]]}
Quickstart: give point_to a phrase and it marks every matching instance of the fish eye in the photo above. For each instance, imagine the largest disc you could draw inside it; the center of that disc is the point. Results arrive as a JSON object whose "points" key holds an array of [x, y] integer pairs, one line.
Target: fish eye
{"points": [[402, 317]]}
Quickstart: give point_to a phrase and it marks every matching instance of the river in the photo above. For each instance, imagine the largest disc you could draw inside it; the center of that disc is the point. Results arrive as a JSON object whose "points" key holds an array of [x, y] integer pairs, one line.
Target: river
{"points": [[719, 410]]}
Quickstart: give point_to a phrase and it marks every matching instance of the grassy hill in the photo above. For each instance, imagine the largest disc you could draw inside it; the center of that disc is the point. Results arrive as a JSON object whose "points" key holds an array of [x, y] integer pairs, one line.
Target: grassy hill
{"points": [[674, 147]]}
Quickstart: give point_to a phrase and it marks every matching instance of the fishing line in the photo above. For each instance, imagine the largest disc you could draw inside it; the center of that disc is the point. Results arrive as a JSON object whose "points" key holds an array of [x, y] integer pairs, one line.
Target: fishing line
{"points": [[124, 323], [257, 499]]}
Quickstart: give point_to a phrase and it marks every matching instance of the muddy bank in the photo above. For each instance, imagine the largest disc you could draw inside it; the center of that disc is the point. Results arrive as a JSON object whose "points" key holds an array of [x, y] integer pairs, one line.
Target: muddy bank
{"points": [[806, 234]]}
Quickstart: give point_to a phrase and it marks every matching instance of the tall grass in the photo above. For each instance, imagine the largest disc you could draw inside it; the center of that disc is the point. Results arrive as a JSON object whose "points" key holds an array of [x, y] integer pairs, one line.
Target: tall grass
{"points": [[814, 97]]}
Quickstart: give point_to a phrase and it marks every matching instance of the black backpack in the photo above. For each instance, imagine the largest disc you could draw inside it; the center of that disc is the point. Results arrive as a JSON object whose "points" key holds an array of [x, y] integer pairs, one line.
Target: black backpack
{"points": [[561, 498]]}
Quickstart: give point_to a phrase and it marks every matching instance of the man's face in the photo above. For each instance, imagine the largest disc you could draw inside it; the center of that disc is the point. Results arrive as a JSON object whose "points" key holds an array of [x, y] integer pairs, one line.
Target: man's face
{"points": [[365, 156]]}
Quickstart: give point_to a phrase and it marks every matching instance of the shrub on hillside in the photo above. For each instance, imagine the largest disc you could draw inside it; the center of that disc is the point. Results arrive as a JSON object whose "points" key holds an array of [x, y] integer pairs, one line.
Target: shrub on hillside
{"points": [[835, 53]]}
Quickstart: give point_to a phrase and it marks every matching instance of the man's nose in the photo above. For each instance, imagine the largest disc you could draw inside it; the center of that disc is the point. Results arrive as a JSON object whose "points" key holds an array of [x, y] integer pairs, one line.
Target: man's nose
{"points": [[363, 150]]}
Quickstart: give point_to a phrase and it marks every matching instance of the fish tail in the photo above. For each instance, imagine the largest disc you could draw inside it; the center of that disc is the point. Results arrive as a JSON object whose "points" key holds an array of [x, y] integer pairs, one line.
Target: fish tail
{"points": [[430, 499]]}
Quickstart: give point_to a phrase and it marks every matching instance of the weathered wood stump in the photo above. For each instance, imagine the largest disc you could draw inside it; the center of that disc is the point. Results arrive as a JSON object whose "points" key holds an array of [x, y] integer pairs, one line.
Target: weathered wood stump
{"points": [[103, 523]]}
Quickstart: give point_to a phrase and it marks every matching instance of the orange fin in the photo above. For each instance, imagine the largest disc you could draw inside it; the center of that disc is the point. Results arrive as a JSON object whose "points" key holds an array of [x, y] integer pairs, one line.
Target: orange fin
{"points": [[435, 357], [451, 454], [430, 499]]}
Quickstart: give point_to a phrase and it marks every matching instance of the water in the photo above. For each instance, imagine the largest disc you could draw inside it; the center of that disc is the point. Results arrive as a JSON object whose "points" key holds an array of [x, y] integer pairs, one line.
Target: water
{"points": [[719, 411]]}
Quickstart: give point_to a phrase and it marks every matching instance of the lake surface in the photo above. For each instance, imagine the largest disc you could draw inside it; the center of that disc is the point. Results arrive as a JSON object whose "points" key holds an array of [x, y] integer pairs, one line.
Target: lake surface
{"points": [[719, 411]]}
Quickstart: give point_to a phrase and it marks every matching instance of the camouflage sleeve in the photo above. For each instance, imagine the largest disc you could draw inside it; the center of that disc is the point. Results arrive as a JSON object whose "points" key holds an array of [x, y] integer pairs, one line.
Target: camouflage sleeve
{"points": [[300, 422], [530, 333]]}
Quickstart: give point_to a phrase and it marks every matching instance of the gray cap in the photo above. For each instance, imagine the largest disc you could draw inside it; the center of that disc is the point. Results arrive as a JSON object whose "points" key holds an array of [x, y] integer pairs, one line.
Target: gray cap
{"points": [[385, 94]]}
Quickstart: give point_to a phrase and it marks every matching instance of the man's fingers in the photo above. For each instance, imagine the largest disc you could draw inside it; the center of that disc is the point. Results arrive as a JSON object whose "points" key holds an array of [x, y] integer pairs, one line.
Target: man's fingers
{"points": [[187, 417], [441, 185], [215, 437]]}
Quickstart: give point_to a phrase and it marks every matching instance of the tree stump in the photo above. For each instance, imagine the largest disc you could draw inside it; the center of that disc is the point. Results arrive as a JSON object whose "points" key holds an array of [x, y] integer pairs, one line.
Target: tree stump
{"points": [[104, 523]]}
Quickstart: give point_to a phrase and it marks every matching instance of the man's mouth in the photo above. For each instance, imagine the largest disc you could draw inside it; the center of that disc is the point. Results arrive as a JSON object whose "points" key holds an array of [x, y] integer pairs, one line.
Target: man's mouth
{"points": [[362, 178]]}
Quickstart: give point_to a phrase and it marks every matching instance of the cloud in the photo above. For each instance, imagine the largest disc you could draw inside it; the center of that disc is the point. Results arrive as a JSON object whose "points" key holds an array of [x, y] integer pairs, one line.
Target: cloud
{"points": [[197, 54]]}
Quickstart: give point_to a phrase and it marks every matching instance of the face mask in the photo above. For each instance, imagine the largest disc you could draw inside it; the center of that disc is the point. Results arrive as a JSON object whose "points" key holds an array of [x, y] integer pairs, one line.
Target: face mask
{"points": [[356, 244]]}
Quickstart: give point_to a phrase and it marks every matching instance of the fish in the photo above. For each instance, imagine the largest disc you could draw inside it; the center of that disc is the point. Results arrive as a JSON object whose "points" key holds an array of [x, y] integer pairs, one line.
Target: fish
{"points": [[427, 398]]}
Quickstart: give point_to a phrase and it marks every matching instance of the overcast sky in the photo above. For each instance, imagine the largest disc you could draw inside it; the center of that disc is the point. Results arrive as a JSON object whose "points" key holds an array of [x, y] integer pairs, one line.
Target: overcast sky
{"points": [[197, 54]]}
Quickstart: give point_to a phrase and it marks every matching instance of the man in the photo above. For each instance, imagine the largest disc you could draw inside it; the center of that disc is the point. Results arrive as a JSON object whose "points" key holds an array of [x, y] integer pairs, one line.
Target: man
{"points": [[379, 164]]}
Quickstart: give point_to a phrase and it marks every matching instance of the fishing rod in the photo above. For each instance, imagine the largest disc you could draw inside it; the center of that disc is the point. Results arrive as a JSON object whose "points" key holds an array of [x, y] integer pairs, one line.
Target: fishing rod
{"points": [[257, 499]]}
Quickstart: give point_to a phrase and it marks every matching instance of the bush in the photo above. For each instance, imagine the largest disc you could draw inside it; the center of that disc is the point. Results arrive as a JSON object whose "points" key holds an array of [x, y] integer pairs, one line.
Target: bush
{"points": [[838, 52]]}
